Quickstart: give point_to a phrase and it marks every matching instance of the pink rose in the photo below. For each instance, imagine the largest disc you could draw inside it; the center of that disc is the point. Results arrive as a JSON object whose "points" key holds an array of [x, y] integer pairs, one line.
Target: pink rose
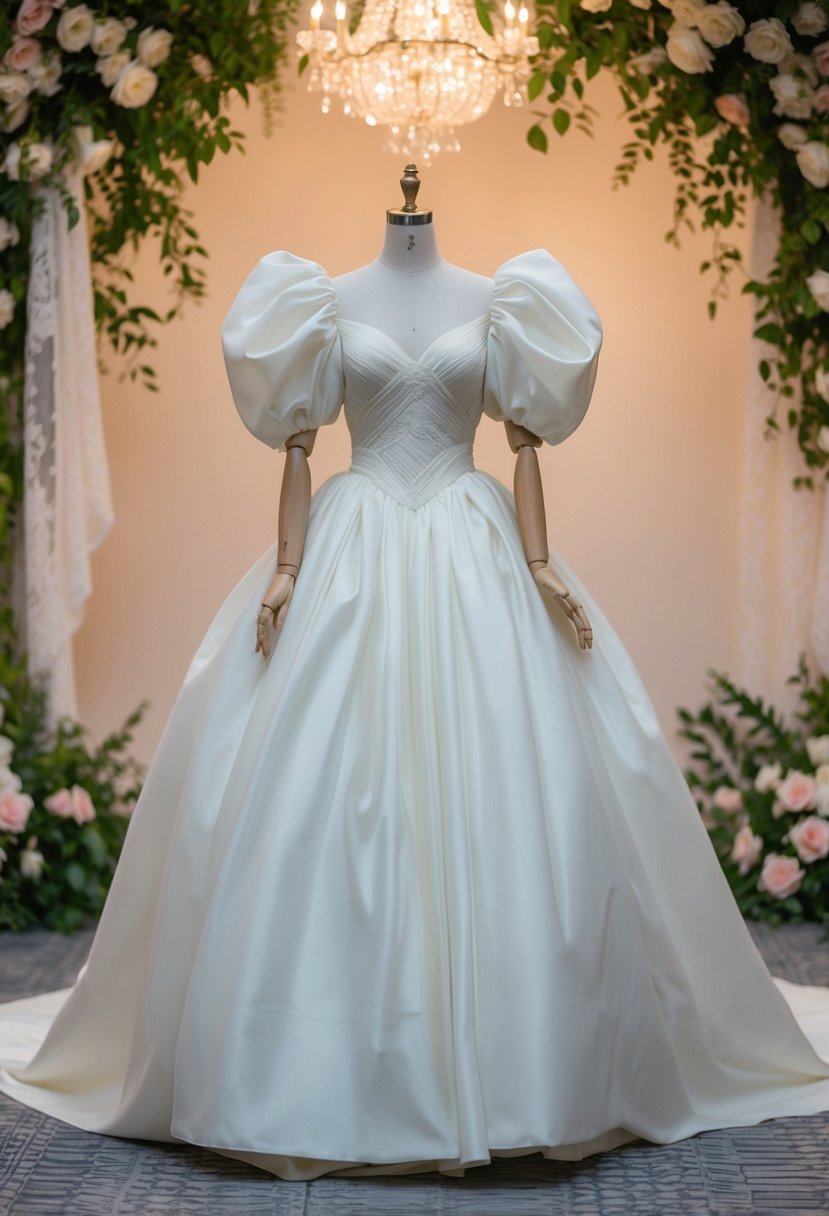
{"points": [[71, 804], [59, 804], [797, 791], [83, 809], [821, 57], [14, 810], [820, 101], [22, 53], [728, 799], [810, 838], [732, 107], [780, 876], [747, 849], [33, 15]]}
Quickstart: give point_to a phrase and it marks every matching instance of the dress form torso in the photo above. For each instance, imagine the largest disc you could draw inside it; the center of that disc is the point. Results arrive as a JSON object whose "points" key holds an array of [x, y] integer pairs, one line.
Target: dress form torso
{"points": [[409, 292]]}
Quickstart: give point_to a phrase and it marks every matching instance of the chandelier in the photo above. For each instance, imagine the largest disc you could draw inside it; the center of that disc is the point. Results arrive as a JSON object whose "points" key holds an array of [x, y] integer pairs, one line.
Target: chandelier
{"points": [[418, 67]]}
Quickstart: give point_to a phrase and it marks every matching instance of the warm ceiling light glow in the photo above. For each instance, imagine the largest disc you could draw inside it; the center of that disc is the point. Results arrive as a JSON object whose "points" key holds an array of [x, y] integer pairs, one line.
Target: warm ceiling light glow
{"points": [[418, 67]]}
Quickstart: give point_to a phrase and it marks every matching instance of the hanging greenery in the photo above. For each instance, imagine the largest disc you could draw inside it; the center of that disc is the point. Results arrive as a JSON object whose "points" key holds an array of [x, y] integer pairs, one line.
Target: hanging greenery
{"points": [[134, 91], [753, 78], [134, 94]]}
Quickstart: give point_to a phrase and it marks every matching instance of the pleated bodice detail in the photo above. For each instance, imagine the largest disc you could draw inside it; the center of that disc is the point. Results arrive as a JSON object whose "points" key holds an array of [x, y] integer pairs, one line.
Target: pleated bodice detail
{"points": [[412, 421]]}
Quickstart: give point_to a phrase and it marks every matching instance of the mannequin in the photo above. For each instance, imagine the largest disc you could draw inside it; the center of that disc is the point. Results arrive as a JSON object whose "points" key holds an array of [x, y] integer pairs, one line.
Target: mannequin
{"points": [[412, 295]]}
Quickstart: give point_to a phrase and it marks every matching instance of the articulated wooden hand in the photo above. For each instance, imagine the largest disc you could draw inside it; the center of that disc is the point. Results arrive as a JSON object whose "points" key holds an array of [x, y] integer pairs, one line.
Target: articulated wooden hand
{"points": [[294, 506], [532, 524]]}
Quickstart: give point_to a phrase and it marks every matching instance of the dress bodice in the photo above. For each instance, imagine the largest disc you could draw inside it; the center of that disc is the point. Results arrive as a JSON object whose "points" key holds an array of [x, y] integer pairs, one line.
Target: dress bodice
{"points": [[292, 363], [412, 421]]}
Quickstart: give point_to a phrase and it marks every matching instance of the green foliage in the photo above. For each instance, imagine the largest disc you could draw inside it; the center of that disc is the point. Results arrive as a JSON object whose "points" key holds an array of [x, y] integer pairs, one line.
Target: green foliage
{"points": [[78, 858], [219, 48], [733, 737], [158, 143], [715, 179]]}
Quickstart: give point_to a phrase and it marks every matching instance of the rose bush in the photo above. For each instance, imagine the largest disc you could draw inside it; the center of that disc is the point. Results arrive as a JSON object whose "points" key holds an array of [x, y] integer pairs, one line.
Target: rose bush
{"points": [[752, 77], [64, 812], [762, 786]]}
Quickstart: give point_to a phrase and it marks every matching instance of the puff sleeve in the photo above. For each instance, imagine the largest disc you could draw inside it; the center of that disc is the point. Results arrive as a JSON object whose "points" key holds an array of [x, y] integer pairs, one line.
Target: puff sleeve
{"points": [[543, 347], [282, 349]]}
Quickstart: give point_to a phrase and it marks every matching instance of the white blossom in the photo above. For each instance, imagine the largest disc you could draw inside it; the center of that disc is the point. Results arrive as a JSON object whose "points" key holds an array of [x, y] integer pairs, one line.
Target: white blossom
{"points": [[813, 162], [6, 308], [75, 28]]}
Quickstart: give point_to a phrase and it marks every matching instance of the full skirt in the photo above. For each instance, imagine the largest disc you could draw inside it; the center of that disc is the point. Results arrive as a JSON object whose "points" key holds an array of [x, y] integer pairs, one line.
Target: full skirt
{"points": [[425, 887]]}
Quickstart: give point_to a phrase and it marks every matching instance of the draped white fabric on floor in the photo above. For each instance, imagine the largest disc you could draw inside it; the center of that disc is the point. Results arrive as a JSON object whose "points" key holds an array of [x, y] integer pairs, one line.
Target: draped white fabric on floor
{"points": [[784, 533], [67, 505]]}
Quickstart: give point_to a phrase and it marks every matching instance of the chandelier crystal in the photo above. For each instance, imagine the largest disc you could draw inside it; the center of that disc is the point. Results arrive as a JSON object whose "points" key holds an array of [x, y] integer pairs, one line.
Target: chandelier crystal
{"points": [[418, 67]]}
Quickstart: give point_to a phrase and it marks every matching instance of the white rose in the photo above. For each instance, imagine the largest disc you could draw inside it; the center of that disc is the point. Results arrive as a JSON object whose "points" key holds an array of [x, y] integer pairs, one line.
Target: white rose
{"points": [[6, 749], [90, 154], [46, 74], [791, 136], [720, 23], [645, 4], [14, 86], [75, 28], [768, 778], [817, 748], [793, 97], [818, 284], [31, 861], [134, 86], [687, 50], [111, 66], [822, 775], [15, 116], [596, 6], [154, 45], [823, 444], [8, 779], [6, 308], [813, 162], [822, 801], [686, 12], [804, 64], [8, 236], [38, 160], [107, 35], [810, 19], [648, 61], [202, 66], [11, 161], [822, 387], [768, 40]]}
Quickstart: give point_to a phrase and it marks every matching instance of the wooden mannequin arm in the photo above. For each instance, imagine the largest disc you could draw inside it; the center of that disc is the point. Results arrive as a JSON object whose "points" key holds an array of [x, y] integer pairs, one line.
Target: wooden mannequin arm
{"points": [[532, 524], [294, 509], [529, 495], [294, 501]]}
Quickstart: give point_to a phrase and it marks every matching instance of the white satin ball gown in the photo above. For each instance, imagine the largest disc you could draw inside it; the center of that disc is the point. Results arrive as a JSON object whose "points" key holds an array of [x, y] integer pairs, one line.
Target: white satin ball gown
{"points": [[427, 886]]}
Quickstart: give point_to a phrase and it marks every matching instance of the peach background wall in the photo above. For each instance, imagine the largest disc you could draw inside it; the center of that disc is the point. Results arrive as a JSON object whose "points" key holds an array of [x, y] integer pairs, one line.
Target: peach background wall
{"points": [[642, 500]]}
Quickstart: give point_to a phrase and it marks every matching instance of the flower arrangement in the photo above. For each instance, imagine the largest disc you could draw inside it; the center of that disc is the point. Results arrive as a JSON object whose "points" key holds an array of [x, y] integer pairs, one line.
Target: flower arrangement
{"points": [[134, 95], [64, 813], [739, 95], [762, 787]]}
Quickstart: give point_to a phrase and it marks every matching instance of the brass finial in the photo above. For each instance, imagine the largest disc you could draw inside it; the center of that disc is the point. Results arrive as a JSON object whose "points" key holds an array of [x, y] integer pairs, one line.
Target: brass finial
{"points": [[410, 184], [409, 212]]}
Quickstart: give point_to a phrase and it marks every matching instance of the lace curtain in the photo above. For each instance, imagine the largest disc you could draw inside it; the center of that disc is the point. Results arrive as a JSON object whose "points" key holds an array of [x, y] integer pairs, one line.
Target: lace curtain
{"points": [[67, 505], [784, 534]]}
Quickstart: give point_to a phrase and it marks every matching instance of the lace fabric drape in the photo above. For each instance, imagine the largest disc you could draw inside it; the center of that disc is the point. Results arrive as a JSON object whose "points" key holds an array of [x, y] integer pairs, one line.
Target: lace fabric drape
{"points": [[784, 533], [67, 504]]}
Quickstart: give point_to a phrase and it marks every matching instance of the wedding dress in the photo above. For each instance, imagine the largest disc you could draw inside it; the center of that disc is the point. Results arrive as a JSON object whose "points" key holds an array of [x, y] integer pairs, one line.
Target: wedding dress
{"points": [[427, 886]]}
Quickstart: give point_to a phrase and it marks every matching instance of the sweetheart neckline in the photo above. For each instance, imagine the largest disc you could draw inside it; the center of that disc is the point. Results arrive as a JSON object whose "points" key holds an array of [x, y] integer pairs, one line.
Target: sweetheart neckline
{"points": [[484, 316]]}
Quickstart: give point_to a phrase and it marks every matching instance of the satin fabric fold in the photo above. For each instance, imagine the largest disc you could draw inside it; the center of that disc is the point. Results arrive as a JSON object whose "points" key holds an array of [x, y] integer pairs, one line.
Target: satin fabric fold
{"points": [[462, 903]]}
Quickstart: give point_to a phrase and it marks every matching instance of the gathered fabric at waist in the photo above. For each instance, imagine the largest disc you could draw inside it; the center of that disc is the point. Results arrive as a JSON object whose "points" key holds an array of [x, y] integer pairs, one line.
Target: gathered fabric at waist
{"points": [[414, 485]]}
